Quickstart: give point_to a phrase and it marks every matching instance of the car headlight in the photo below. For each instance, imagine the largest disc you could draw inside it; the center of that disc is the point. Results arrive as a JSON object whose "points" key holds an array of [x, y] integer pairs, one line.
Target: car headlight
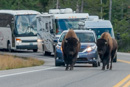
{"points": [[59, 47], [39, 40], [90, 48]]}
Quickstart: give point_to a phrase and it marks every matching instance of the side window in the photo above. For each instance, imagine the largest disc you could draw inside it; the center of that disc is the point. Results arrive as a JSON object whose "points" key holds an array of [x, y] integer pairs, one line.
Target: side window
{"points": [[6, 20], [50, 25], [47, 27]]}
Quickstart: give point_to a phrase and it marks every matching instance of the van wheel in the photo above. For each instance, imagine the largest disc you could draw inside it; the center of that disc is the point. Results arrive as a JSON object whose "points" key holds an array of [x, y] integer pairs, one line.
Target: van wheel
{"points": [[9, 47], [34, 50], [95, 64], [47, 53]]}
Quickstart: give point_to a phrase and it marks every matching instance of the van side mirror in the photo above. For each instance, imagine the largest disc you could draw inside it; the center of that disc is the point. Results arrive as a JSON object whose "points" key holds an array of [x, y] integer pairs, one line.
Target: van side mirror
{"points": [[81, 24], [55, 40], [118, 36], [51, 31]]}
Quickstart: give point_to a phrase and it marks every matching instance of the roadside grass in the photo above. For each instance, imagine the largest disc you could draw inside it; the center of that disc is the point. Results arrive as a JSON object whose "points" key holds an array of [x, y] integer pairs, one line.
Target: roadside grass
{"points": [[13, 62]]}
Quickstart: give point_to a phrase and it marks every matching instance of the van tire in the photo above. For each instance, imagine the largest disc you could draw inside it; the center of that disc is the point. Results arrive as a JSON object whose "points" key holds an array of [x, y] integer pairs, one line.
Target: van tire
{"points": [[47, 53], [35, 50]]}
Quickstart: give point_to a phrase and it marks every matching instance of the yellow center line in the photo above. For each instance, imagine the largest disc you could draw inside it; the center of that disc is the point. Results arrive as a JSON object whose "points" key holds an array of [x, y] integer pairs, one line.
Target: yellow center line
{"points": [[127, 84], [123, 61], [123, 81]]}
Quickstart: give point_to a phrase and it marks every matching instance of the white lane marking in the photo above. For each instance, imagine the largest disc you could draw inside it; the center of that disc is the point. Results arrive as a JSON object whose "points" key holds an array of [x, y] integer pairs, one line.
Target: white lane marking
{"points": [[27, 72], [126, 54]]}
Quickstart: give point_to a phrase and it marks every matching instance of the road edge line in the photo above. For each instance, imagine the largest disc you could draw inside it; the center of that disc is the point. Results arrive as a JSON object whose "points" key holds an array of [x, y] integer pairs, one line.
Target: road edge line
{"points": [[27, 72]]}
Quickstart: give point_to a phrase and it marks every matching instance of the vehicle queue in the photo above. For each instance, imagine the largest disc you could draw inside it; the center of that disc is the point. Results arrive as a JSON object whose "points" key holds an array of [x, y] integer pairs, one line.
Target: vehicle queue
{"points": [[49, 29]]}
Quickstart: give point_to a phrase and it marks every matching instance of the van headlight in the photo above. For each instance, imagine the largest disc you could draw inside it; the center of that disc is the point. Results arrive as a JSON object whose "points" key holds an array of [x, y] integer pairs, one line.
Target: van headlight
{"points": [[90, 48], [18, 40]]}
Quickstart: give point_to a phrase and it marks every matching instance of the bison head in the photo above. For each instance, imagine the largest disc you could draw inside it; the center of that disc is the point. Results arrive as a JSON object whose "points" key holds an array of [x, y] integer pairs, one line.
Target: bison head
{"points": [[71, 46], [102, 47]]}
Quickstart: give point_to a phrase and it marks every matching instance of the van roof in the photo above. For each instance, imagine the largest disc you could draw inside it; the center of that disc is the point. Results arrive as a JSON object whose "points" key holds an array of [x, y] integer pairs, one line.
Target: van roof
{"points": [[98, 24], [19, 12]]}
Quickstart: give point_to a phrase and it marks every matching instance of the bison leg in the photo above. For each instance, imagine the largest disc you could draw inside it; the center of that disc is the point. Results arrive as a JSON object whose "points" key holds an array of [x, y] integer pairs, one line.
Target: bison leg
{"points": [[67, 67], [108, 66], [71, 66], [111, 65], [104, 64], [103, 67], [108, 63]]}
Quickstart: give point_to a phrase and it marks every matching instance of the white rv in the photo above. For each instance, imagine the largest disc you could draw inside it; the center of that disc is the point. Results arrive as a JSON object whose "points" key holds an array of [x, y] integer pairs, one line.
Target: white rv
{"points": [[18, 29], [51, 25]]}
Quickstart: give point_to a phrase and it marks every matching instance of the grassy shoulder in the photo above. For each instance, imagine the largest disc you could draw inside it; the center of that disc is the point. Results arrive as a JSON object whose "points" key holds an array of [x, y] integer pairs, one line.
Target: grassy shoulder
{"points": [[13, 62]]}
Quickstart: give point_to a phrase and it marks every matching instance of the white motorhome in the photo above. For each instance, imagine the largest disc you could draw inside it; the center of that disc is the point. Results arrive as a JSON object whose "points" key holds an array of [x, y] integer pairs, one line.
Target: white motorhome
{"points": [[51, 25], [18, 29]]}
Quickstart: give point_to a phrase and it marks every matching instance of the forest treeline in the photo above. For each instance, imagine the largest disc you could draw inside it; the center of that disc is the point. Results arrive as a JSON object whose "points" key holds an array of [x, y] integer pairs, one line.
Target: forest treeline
{"points": [[120, 12]]}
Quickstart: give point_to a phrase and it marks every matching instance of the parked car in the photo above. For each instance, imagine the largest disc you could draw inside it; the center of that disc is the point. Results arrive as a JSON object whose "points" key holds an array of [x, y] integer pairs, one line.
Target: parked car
{"points": [[88, 50]]}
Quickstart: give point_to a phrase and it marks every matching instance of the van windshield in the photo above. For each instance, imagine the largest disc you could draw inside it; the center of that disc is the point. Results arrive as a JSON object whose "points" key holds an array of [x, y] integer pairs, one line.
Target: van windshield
{"points": [[99, 31], [65, 24], [83, 37], [26, 25]]}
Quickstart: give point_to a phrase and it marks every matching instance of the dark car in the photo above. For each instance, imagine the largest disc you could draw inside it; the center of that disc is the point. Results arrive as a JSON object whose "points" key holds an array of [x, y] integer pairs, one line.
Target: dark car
{"points": [[88, 50]]}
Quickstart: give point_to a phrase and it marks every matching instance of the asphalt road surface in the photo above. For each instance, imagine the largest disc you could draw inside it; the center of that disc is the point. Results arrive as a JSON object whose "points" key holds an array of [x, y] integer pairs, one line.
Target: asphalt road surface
{"points": [[83, 75]]}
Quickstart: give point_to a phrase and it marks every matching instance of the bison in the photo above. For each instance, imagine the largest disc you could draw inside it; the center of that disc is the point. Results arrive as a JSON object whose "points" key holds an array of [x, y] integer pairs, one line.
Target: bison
{"points": [[70, 47], [107, 48]]}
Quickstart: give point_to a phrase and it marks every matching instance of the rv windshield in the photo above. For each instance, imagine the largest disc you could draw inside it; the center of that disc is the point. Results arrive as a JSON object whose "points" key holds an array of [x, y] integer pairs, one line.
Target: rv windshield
{"points": [[26, 25], [65, 24], [99, 31]]}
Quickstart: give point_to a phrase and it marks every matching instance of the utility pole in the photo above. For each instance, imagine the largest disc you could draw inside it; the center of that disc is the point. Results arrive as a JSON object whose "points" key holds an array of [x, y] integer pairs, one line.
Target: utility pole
{"points": [[82, 6], [122, 10], [77, 7], [110, 8], [101, 10], [57, 4]]}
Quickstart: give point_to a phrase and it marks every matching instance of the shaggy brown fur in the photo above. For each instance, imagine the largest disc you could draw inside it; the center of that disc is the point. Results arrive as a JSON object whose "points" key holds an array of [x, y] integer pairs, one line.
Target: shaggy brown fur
{"points": [[69, 34], [107, 47], [108, 38], [70, 46]]}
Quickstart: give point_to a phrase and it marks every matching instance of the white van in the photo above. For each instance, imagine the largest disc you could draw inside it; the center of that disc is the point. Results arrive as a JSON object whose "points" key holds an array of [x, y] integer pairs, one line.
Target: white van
{"points": [[100, 26]]}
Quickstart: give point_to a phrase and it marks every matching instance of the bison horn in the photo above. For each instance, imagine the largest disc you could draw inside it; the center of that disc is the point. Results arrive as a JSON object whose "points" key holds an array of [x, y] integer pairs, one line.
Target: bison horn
{"points": [[66, 41], [105, 42]]}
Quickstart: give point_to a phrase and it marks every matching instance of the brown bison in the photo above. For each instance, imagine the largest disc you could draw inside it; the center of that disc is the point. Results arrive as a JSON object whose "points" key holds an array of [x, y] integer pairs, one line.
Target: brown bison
{"points": [[107, 48], [70, 47]]}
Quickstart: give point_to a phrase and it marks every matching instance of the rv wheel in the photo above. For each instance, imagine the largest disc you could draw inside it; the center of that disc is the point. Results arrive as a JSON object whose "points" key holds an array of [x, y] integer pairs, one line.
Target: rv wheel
{"points": [[9, 47]]}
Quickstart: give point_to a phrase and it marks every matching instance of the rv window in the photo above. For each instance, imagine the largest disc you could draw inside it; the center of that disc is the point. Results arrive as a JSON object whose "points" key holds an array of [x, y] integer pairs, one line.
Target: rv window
{"points": [[5, 20], [47, 26]]}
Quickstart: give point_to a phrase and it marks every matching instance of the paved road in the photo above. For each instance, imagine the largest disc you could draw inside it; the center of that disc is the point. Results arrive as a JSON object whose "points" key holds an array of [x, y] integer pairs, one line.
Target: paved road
{"points": [[83, 75]]}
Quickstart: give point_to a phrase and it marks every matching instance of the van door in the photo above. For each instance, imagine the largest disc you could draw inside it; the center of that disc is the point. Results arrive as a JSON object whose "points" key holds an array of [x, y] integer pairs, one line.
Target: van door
{"points": [[46, 34]]}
